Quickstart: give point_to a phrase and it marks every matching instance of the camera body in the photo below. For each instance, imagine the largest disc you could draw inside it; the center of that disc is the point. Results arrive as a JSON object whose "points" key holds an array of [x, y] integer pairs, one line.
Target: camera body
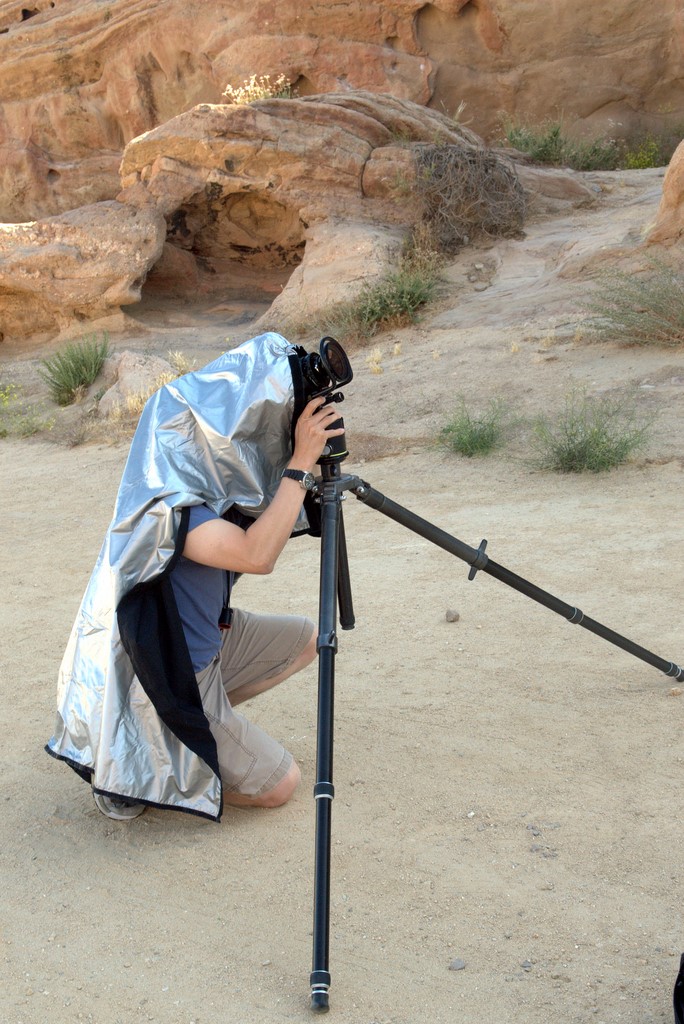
{"points": [[322, 373], [326, 370]]}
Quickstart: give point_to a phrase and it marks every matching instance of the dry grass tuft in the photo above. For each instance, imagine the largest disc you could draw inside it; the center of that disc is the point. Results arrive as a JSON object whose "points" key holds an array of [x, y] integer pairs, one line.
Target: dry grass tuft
{"points": [[640, 309], [258, 88]]}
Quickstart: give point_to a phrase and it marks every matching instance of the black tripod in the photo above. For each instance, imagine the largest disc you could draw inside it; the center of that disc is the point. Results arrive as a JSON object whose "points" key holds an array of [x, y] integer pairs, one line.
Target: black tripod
{"points": [[334, 588]]}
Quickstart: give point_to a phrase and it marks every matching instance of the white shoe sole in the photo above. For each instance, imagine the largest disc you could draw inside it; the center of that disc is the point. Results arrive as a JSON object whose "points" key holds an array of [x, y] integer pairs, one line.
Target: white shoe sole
{"points": [[106, 806]]}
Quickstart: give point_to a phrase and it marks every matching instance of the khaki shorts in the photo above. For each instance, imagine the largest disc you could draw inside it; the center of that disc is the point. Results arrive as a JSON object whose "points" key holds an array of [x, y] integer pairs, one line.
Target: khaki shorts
{"points": [[255, 647]]}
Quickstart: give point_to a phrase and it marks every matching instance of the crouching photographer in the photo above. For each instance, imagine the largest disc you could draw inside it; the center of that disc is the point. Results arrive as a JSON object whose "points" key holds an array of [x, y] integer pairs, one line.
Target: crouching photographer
{"points": [[158, 659]]}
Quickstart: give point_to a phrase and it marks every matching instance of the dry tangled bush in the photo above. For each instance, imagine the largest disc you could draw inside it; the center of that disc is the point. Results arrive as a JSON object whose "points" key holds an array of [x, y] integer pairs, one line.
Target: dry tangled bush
{"points": [[467, 192]]}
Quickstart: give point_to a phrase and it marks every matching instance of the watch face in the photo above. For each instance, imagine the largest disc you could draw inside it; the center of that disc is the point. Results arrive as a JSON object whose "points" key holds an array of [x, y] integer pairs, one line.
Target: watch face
{"points": [[309, 481]]}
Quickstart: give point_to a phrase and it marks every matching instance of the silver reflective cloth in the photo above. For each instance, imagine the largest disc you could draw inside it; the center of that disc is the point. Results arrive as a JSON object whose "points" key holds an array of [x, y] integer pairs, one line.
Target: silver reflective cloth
{"points": [[220, 435]]}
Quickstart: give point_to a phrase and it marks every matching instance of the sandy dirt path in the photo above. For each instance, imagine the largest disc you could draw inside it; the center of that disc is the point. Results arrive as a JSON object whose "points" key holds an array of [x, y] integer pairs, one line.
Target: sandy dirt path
{"points": [[509, 787]]}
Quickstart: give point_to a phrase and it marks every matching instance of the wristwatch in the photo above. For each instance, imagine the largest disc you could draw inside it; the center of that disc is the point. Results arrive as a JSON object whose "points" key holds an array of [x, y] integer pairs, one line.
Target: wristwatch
{"points": [[306, 480]]}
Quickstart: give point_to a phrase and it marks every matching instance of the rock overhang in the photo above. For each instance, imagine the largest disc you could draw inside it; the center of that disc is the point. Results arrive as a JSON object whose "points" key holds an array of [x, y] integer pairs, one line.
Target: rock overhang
{"points": [[290, 191]]}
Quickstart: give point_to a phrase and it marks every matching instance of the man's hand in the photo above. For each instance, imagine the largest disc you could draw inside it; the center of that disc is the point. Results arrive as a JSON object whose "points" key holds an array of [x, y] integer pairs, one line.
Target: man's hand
{"points": [[312, 433]]}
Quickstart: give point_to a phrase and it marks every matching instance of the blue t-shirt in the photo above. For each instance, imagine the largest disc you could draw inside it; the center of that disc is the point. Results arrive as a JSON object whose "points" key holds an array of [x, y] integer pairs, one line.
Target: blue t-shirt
{"points": [[201, 594]]}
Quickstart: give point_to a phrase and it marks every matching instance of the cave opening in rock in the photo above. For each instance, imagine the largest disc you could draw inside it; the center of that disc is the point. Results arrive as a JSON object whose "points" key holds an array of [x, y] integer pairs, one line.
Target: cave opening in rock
{"points": [[229, 253], [303, 86]]}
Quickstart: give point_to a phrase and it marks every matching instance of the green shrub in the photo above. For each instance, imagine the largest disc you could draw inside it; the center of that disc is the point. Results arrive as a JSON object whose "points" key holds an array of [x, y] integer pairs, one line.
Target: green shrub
{"points": [[595, 155], [548, 144], [392, 301], [640, 309], [591, 434], [544, 145], [75, 368], [643, 154], [8, 393], [650, 149], [16, 418], [469, 434]]}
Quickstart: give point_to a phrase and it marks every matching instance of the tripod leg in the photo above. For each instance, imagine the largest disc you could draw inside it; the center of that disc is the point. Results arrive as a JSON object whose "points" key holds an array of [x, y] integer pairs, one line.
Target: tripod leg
{"points": [[323, 788], [344, 593], [478, 560]]}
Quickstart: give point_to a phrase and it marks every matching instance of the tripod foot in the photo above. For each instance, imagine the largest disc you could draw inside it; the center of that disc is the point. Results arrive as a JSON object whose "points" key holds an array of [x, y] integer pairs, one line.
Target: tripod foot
{"points": [[320, 987], [319, 1001]]}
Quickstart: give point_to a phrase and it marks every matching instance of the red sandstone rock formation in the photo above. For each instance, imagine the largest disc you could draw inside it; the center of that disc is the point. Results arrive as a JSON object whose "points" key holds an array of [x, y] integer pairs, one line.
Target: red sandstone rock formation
{"points": [[81, 265], [669, 226], [309, 197], [223, 197], [81, 78]]}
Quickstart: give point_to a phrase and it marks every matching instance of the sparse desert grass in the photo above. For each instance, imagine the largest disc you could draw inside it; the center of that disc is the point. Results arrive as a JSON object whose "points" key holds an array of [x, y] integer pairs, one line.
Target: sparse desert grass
{"points": [[470, 434], [640, 309], [180, 363], [92, 426], [395, 299], [69, 372], [591, 433]]}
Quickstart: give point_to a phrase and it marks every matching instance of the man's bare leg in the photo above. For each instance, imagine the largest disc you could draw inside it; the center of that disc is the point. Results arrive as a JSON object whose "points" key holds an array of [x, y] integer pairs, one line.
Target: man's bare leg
{"points": [[275, 797], [281, 793]]}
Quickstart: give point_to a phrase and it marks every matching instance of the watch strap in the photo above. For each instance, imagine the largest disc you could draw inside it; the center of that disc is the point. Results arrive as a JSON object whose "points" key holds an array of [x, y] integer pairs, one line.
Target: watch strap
{"points": [[297, 474]]}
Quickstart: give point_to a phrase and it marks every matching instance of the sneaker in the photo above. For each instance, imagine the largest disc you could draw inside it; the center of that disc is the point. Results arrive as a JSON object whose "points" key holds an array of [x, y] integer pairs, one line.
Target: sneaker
{"points": [[116, 807]]}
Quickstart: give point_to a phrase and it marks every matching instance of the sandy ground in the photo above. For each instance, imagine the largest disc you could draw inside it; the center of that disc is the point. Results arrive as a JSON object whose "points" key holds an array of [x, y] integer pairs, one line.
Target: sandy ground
{"points": [[509, 787]]}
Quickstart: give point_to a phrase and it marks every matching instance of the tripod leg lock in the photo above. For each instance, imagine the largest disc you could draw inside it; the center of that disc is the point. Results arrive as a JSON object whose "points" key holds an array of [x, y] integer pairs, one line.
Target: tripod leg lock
{"points": [[480, 560], [675, 671], [327, 640], [324, 791]]}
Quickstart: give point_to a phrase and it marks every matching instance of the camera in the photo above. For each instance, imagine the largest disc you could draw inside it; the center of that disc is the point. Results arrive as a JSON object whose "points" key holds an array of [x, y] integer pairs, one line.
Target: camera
{"points": [[321, 373], [324, 371]]}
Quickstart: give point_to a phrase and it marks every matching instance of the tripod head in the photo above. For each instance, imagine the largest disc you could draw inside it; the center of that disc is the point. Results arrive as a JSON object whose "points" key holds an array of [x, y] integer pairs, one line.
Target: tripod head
{"points": [[336, 448]]}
